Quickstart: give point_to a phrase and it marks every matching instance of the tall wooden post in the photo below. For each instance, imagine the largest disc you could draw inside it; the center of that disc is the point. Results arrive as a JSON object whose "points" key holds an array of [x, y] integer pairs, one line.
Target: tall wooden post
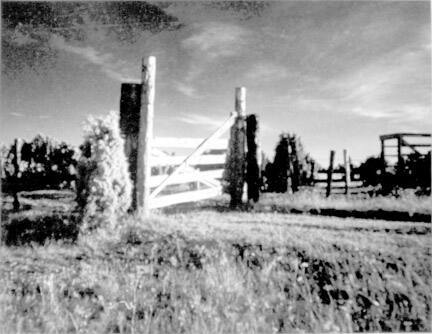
{"points": [[130, 104], [347, 171], [312, 176], [1, 199], [330, 173], [399, 158], [295, 180], [236, 166], [17, 174], [383, 162], [145, 136], [252, 158]]}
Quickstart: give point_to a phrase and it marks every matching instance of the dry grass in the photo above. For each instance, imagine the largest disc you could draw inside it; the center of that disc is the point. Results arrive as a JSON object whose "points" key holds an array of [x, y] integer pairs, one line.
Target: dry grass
{"points": [[204, 270]]}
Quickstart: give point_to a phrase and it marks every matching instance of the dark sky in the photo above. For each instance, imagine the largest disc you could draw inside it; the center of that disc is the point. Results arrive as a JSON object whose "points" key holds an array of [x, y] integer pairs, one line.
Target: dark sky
{"points": [[338, 74]]}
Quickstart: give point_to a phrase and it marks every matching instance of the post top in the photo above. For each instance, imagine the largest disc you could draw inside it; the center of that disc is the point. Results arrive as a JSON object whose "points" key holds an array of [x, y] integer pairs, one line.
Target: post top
{"points": [[151, 60]]}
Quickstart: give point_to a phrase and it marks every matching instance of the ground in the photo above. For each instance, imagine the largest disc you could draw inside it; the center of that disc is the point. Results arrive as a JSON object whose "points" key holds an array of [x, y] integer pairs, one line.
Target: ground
{"points": [[203, 268]]}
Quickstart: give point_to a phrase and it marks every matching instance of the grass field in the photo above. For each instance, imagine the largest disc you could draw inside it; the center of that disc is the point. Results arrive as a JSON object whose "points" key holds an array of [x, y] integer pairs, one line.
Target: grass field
{"points": [[204, 269]]}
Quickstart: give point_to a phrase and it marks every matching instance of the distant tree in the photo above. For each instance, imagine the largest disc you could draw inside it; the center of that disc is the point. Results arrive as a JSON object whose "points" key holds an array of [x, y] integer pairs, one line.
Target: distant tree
{"points": [[370, 171], [291, 166]]}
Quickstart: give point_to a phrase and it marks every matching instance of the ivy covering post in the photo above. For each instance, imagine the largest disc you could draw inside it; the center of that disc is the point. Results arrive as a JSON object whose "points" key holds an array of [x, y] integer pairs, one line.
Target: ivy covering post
{"points": [[145, 135], [236, 164], [104, 187], [252, 158], [130, 103], [295, 179], [16, 162]]}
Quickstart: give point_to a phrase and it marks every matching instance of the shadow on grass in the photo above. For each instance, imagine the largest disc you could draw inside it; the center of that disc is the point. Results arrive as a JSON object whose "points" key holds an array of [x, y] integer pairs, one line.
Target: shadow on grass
{"points": [[27, 229]]}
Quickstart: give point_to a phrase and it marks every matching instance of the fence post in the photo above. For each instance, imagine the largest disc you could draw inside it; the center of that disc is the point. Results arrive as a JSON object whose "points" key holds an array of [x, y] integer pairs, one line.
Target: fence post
{"points": [[330, 173], [252, 158], [236, 166], [347, 171], [296, 170], [16, 163], [130, 102], [145, 135], [312, 176]]}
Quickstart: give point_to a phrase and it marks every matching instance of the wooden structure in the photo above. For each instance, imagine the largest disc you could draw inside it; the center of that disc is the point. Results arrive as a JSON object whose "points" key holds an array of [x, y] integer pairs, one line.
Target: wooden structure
{"points": [[161, 179], [404, 146], [330, 173], [336, 181]]}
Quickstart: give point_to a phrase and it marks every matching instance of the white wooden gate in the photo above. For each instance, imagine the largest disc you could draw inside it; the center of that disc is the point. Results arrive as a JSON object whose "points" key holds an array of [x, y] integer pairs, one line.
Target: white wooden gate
{"points": [[161, 179], [186, 170]]}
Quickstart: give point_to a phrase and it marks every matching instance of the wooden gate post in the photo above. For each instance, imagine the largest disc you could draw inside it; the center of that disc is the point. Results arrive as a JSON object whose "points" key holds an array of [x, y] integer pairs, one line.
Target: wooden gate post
{"points": [[312, 175], [236, 165], [145, 136], [17, 177], [295, 179], [252, 158], [347, 171], [330, 173], [130, 103]]}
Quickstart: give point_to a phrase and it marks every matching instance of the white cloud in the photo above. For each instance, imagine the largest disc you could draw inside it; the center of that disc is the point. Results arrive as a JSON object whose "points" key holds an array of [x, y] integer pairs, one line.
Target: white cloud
{"points": [[266, 72], [216, 39], [186, 89], [394, 87], [16, 114], [113, 69], [197, 119]]}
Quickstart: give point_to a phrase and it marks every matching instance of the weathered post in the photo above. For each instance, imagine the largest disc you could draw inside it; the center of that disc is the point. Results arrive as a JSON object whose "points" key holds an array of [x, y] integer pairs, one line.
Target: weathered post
{"points": [[236, 165], [312, 175], [145, 134], [1, 198], [347, 171], [295, 180], [383, 163], [130, 103], [17, 174], [330, 173], [252, 158]]}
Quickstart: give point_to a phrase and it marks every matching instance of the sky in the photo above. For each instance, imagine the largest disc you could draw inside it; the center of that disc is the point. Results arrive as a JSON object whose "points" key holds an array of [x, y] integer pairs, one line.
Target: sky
{"points": [[337, 74]]}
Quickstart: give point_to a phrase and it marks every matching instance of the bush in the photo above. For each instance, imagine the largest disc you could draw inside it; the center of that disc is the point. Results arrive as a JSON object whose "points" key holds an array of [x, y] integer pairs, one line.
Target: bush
{"points": [[104, 187]]}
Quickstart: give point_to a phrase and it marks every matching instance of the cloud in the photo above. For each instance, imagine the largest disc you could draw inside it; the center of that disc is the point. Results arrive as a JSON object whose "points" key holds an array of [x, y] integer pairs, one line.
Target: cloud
{"points": [[16, 114], [113, 69], [197, 119], [216, 39], [186, 89], [267, 71], [394, 87]]}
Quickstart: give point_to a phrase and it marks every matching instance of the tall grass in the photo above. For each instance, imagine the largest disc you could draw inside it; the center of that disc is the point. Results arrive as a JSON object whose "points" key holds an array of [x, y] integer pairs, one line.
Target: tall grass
{"points": [[215, 272]]}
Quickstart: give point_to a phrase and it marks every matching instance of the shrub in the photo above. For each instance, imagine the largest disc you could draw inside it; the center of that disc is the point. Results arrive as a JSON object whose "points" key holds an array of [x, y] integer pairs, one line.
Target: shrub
{"points": [[104, 186]]}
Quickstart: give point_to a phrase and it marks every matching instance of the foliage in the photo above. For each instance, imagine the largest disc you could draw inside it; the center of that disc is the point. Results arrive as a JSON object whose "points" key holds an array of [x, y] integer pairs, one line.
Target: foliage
{"points": [[104, 186], [291, 165], [412, 171], [370, 171], [42, 163], [415, 171]]}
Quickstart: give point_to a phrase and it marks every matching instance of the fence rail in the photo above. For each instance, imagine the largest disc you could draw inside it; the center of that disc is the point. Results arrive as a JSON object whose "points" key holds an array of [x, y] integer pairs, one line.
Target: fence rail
{"points": [[173, 142]]}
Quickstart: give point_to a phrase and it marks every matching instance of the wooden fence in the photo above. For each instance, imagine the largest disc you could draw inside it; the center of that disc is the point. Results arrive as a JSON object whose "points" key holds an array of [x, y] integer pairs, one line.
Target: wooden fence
{"points": [[161, 179], [337, 182]]}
